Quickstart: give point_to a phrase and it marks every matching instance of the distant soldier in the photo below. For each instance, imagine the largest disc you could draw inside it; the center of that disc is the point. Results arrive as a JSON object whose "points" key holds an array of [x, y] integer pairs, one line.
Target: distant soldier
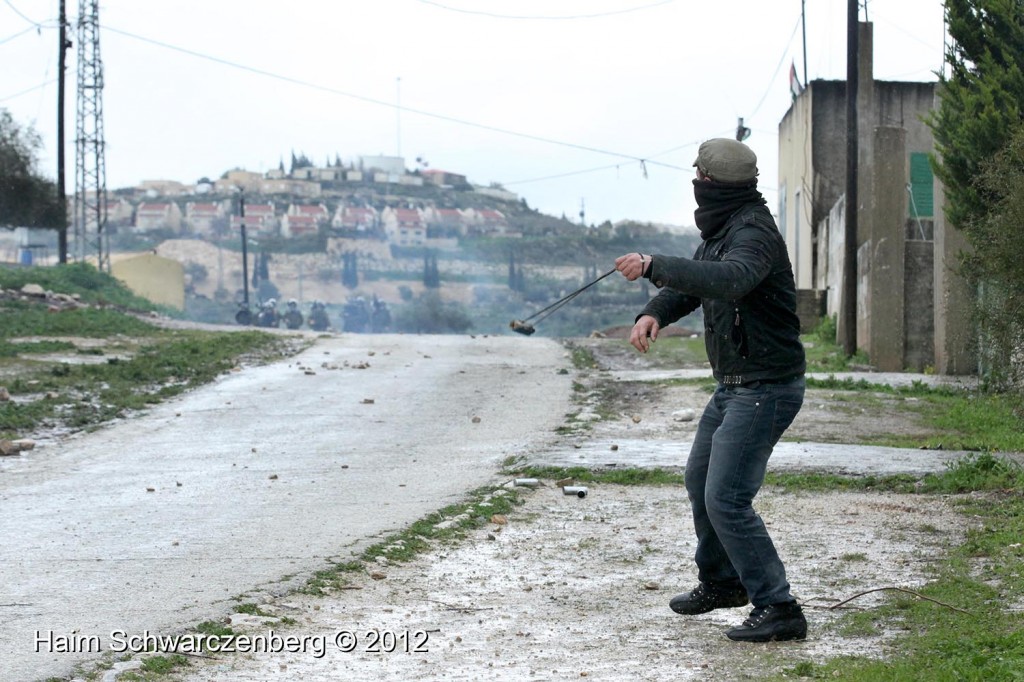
{"points": [[292, 315], [380, 316], [268, 315], [318, 320], [356, 315]]}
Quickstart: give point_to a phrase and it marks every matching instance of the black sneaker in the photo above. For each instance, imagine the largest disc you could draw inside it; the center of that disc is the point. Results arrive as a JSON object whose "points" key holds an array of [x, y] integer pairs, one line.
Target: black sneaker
{"points": [[772, 623], [708, 598]]}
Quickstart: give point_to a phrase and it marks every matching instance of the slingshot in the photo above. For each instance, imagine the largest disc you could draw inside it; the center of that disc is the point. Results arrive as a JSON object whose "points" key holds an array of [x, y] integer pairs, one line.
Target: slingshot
{"points": [[525, 328]]}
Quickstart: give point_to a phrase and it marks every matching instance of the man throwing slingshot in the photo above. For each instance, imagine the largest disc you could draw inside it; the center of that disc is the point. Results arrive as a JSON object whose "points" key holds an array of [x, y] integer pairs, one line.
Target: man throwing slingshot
{"points": [[742, 277]]}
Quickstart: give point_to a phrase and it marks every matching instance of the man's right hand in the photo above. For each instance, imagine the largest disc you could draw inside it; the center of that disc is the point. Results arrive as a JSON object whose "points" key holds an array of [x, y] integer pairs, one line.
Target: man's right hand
{"points": [[644, 332]]}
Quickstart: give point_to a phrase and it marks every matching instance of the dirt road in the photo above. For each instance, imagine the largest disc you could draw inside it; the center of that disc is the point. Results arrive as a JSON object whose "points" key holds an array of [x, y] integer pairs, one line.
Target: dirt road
{"points": [[255, 481]]}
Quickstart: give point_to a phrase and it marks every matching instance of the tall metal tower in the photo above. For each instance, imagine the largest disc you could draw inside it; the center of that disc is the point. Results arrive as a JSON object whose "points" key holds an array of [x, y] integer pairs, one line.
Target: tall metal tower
{"points": [[90, 221]]}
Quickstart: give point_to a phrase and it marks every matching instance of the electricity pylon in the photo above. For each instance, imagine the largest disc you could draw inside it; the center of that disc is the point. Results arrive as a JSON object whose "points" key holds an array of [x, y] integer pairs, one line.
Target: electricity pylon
{"points": [[90, 222]]}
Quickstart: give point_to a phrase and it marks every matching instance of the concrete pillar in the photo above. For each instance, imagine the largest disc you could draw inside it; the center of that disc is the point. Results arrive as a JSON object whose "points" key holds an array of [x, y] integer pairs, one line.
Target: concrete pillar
{"points": [[954, 300], [866, 118], [919, 305], [888, 210]]}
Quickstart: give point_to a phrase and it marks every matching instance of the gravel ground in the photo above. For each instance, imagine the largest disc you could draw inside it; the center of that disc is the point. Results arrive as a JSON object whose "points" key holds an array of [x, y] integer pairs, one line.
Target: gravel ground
{"points": [[572, 588], [578, 588]]}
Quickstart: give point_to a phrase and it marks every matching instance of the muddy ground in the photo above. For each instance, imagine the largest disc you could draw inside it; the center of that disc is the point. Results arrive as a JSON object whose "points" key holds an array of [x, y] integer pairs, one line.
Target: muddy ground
{"points": [[573, 588]]}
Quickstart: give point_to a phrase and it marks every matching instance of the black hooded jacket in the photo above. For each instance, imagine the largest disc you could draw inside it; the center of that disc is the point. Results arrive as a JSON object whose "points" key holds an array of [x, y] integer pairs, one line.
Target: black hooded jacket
{"points": [[742, 276]]}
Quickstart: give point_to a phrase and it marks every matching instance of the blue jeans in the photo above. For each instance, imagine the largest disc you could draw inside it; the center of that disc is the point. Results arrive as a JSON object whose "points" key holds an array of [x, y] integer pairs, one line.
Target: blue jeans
{"points": [[735, 437]]}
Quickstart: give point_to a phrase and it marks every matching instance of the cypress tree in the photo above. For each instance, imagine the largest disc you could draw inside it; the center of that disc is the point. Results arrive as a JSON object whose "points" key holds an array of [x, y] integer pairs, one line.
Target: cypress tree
{"points": [[981, 100]]}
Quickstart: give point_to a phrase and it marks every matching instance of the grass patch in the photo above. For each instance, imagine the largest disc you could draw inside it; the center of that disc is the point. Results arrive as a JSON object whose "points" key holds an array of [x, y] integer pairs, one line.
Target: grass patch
{"points": [[617, 476], [446, 526], [676, 351], [853, 556], [582, 358], [251, 609], [161, 665], [824, 354], [32, 319], [92, 286], [963, 420], [706, 384], [11, 350], [974, 473], [85, 395], [985, 576]]}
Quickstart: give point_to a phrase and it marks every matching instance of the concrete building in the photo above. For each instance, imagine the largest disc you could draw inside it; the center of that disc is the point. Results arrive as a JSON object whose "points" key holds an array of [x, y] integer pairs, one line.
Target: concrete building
{"points": [[243, 179], [905, 312], [441, 178], [391, 165], [161, 280]]}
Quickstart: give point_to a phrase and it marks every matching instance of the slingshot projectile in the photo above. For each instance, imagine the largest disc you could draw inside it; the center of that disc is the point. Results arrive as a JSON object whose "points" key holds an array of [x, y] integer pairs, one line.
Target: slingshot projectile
{"points": [[521, 327]]}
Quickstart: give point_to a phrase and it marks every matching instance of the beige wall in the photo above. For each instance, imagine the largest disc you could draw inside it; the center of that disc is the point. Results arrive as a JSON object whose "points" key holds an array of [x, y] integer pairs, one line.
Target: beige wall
{"points": [[161, 280], [795, 166]]}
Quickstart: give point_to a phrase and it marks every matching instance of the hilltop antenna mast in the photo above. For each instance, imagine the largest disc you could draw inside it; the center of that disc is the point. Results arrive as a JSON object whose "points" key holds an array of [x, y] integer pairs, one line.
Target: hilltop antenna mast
{"points": [[90, 221]]}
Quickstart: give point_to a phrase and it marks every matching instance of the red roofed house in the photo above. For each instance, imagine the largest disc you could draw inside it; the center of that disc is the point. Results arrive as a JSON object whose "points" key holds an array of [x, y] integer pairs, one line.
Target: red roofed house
{"points": [[301, 219], [151, 216], [259, 219], [119, 213], [448, 222], [489, 221], [205, 218], [355, 218], [404, 226]]}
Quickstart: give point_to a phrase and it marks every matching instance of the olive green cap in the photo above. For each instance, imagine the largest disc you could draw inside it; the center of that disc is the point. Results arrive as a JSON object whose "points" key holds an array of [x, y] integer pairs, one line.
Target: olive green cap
{"points": [[726, 160]]}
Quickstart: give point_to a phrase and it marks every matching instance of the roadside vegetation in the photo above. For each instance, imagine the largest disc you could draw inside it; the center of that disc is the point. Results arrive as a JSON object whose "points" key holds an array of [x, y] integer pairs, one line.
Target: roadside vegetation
{"points": [[80, 367], [972, 630]]}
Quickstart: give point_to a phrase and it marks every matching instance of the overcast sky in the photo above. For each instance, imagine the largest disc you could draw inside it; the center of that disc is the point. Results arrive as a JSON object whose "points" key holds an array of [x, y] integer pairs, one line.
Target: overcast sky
{"points": [[558, 100]]}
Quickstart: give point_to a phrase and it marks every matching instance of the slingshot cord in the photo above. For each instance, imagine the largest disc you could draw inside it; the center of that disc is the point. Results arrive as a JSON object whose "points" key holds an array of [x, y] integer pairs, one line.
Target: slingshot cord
{"points": [[562, 301]]}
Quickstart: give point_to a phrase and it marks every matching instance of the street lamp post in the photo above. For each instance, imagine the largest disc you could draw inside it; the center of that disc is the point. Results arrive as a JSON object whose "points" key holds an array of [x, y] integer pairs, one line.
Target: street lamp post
{"points": [[244, 316]]}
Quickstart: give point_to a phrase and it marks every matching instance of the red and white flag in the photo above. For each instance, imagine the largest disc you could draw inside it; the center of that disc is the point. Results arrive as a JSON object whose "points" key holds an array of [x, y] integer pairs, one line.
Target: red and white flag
{"points": [[795, 87]]}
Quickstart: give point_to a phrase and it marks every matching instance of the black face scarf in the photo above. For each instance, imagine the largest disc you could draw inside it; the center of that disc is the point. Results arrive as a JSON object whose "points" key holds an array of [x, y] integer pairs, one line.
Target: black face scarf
{"points": [[717, 201]]}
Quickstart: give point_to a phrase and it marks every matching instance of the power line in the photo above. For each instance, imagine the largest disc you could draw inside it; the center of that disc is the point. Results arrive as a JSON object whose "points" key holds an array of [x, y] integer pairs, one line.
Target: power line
{"points": [[564, 175], [21, 33], [391, 105], [17, 11], [25, 92], [615, 165], [542, 17]]}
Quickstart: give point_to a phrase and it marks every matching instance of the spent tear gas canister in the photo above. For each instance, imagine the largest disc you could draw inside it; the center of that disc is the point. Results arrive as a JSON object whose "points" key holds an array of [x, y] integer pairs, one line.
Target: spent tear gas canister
{"points": [[577, 490]]}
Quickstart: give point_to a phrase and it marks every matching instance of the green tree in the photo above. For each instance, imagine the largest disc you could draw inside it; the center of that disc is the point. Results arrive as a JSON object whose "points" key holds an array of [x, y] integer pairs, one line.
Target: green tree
{"points": [[977, 140], [27, 199], [349, 270], [431, 275], [981, 99], [995, 264]]}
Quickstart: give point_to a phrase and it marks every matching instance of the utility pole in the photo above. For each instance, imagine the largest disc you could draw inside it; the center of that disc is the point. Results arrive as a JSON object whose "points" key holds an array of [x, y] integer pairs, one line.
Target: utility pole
{"points": [[245, 251], [803, 22], [90, 153], [849, 300], [62, 197]]}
